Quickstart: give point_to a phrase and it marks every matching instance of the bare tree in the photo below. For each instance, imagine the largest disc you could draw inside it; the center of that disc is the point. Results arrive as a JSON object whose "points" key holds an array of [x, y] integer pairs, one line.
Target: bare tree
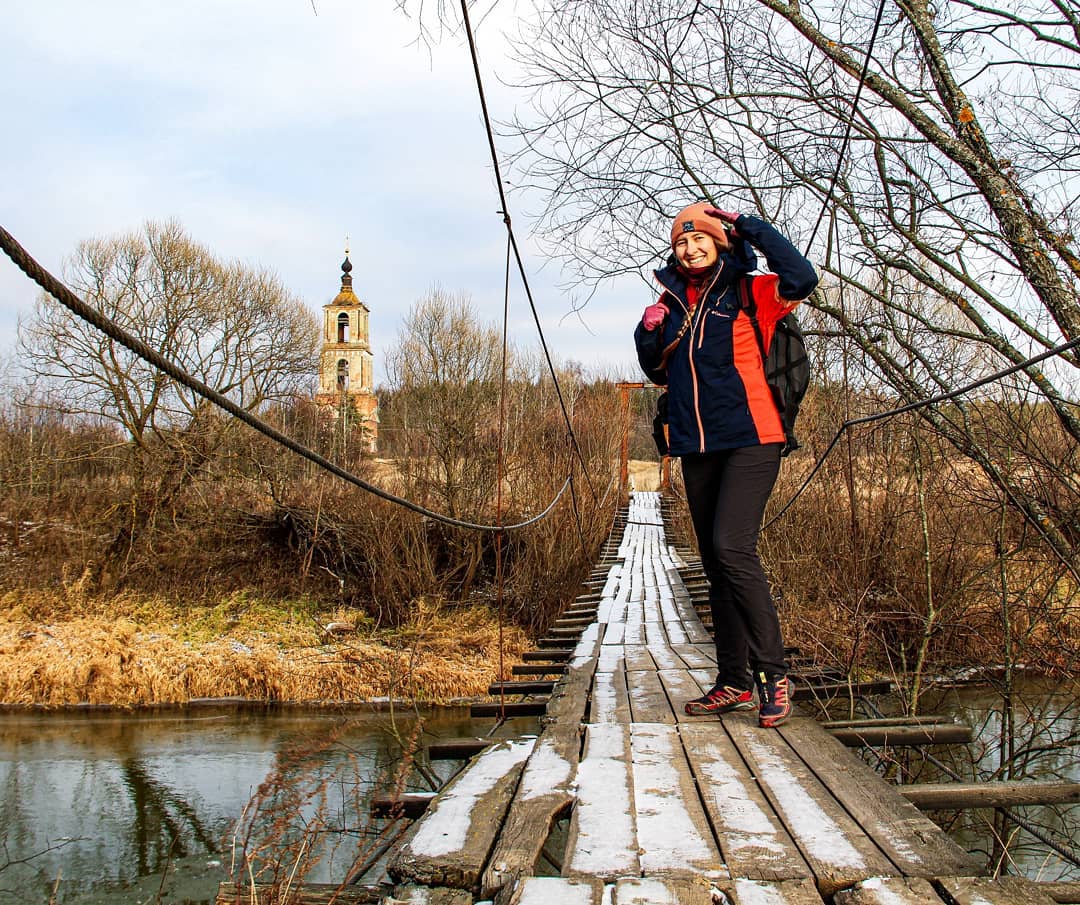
{"points": [[947, 245], [235, 328], [445, 372]]}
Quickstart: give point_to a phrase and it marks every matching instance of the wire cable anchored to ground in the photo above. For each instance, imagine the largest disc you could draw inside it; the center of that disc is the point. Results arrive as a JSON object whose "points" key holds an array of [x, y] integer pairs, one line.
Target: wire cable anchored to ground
{"points": [[919, 404], [505, 211], [110, 328]]}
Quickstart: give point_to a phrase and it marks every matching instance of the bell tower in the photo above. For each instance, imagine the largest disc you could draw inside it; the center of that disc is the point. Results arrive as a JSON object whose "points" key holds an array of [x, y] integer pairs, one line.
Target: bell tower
{"points": [[346, 366]]}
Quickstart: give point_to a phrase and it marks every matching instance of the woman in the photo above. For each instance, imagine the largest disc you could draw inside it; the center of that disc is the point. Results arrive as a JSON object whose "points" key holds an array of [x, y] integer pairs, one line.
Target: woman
{"points": [[699, 341]]}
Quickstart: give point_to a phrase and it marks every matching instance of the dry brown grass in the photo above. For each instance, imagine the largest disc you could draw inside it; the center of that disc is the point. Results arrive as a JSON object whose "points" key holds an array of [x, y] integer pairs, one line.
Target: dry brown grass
{"points": [[125, 660], [644, 475]]}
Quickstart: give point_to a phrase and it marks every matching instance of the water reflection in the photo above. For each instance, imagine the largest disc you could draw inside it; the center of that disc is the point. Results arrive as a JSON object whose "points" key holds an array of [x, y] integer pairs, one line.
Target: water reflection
{"points": [[102, 804], [1032, 734], [110, 803]]}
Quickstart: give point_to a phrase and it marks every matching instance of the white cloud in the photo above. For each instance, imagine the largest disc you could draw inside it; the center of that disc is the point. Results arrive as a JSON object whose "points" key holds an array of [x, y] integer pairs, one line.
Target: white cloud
{"points": [[271, 132]]}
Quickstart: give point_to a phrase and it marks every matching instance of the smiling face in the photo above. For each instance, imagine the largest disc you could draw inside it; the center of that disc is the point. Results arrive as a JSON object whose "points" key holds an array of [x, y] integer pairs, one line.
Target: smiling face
{"points": [[696, 250]]}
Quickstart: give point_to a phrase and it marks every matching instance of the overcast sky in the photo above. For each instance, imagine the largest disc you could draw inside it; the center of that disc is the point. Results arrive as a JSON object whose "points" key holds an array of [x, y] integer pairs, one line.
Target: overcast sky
{"points": [[271, 131]]}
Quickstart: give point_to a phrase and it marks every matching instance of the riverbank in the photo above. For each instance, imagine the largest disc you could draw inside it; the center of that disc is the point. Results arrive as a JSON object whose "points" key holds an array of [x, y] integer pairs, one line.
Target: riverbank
{"points": [[137, 652]]}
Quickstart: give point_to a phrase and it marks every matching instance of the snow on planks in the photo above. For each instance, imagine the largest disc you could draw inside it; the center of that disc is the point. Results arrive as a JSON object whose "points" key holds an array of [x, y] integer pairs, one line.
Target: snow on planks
{"points": [[455, 836], [672, 808]]}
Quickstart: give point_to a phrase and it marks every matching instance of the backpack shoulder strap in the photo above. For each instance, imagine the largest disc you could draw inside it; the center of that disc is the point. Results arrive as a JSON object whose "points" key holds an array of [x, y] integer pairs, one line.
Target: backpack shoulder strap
{"points": [[747, 304]]}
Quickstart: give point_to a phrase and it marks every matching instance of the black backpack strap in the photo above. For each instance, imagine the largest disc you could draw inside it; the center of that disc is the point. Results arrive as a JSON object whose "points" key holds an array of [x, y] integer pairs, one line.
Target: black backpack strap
{"points": [[747, 303]]}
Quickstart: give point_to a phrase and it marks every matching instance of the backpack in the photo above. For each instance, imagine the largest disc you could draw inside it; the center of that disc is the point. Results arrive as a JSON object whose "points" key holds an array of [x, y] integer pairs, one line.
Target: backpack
{"points": [[659, 425], [787, 366]]}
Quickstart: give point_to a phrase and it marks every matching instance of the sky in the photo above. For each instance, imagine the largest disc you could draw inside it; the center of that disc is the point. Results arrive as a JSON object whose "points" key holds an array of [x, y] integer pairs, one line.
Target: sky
{"points": [[272, 131]]}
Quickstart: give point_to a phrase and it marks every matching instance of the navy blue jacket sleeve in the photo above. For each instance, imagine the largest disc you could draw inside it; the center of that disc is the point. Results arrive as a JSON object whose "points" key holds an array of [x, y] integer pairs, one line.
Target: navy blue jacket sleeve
{"points": [[649, 350], [797, 275]]}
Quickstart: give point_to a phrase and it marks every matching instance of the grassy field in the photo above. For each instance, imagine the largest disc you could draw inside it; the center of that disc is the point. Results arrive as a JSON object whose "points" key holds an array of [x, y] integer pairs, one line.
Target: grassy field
{"points": [[134, 651]]}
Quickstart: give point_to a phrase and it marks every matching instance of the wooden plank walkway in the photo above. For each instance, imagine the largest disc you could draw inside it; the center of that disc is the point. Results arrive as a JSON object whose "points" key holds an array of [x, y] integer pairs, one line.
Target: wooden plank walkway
{"points": [[668, 808]]}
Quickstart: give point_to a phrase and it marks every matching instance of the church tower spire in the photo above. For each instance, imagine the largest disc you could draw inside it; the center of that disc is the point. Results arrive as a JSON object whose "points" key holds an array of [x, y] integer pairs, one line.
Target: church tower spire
{"points": [[346, 365]]}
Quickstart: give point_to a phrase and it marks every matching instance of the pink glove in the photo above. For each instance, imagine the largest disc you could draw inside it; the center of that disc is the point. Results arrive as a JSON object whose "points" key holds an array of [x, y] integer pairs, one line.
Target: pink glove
{"points": [[728, 217], [654, 316]]}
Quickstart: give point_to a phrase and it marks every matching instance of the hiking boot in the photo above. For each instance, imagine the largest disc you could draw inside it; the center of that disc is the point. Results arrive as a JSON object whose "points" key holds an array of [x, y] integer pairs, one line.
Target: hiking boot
{"points": [[774, 693], [720, 699]]}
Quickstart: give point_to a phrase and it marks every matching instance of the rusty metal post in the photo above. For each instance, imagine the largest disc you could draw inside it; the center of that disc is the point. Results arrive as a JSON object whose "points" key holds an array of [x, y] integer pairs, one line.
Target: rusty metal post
{"points": [[624, 453]]}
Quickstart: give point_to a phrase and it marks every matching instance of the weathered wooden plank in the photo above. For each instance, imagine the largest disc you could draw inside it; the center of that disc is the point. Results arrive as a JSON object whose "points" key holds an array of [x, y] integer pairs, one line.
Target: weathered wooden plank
{"points": [[888, 721], [752, 840], [546, 791], [552, 890], [610, 702], [404, 804], [675, 632], [775, 892], [681, 686], [648, 702], [456, 834], [697, 655], [614, 633], [889, 891], [523, 687], [303, 894], [837, 850], [427, 895], [916, 845], [537, 669], [1066, 891], [696, 633], [574, 620], [457, 748], [547, 786], [612, 658], [633, 633], [986, 891], [498, 709], [948, 795], [551, 655], [673, 832], [638, 658], [602, 841], [656, 635], [662, 891], [903, 736], [664, 656]]}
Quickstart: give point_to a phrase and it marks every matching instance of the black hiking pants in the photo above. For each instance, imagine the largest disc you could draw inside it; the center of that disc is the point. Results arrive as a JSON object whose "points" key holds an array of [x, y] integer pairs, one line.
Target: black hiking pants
{"points": [[726, 492]]}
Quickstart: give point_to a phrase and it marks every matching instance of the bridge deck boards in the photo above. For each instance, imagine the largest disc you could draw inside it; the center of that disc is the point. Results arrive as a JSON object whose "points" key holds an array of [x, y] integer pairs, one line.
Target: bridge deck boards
{"points": [[666, 806]]}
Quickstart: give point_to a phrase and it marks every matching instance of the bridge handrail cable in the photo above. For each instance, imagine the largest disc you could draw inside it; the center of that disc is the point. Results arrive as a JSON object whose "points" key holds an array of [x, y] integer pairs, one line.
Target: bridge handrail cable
{"points": [[26, 263]]}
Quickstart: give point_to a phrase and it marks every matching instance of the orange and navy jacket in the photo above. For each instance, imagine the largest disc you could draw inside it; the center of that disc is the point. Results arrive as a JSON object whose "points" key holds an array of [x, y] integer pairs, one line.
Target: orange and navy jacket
{"points": [[717, 394]]}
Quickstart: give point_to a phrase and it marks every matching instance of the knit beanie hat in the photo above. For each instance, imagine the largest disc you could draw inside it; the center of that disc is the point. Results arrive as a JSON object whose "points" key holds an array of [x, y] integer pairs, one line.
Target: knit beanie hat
{"points": [[693, 219]]}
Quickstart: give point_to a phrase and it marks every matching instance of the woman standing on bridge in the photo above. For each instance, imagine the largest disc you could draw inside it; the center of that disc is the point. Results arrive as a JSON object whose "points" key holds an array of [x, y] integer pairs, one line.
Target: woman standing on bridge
{"points": [[699, 340]]}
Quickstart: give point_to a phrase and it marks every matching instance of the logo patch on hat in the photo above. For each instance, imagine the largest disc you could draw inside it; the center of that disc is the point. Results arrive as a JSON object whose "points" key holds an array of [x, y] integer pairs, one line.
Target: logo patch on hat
{"points": [[688, 226]]}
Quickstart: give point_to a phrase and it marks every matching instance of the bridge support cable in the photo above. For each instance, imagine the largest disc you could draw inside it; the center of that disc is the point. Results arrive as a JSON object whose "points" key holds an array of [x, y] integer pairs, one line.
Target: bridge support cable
{"points": [[505, 211], [22, 259], [850, 124], [921, 404]]}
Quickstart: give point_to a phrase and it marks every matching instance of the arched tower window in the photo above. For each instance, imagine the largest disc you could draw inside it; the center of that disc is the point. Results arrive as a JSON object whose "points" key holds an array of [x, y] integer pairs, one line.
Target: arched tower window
{"points": [[343, 328], [343, 373]]}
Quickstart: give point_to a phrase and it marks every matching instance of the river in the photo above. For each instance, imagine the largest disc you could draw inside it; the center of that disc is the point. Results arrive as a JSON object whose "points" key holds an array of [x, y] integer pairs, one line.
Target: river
{"points": [[100, 806]]}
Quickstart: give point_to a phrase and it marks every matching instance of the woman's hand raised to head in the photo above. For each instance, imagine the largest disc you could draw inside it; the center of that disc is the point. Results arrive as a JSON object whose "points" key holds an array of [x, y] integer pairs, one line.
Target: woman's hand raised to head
{"points": [[729, 217]]}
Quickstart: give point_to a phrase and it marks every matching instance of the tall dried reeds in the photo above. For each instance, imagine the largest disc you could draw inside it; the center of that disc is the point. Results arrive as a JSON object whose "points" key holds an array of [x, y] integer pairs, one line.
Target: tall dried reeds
{"points": [[116, 661]]}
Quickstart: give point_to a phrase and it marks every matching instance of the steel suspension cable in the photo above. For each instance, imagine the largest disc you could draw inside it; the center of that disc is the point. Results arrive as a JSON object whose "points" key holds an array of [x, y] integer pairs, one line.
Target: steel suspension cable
{"points": [[505, 211], [850, 123], [110, 328], [920, 404], [498, 485]]}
